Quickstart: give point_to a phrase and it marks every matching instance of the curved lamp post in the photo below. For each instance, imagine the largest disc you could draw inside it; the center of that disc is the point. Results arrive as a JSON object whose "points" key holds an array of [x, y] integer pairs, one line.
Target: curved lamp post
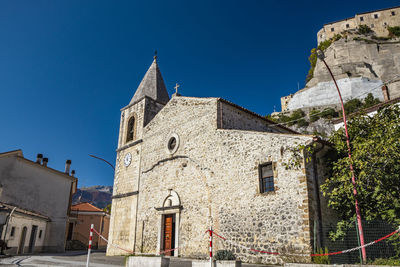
{"points": [[321, 56], [112, 166]]}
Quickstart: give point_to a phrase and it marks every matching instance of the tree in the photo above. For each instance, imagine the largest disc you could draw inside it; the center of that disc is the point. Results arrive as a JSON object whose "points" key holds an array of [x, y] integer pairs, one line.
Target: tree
{"points": [[364, 29], [107, 209], [375, 143], [352, 105], [394, 31], [370, 101]]}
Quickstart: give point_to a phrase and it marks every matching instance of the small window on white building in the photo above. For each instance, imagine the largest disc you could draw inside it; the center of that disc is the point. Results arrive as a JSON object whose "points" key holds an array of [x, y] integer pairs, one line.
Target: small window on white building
{"points": [[372, 25], [40, 233], [375, 16], [361, 18], [12, 231], [332, 29], [385, 24], [393, 13], [347, 26], [266, 177]]}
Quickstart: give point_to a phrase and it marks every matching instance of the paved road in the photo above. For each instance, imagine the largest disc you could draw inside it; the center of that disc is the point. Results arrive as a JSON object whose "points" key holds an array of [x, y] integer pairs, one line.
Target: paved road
{"points": [[70, 259], [78, 259]]}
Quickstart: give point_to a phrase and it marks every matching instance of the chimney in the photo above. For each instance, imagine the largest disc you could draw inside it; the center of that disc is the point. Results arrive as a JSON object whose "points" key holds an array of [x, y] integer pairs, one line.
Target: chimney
{"points": [[45, 160], [73, 173], [39, 158], [67, 166], [385, 93]]}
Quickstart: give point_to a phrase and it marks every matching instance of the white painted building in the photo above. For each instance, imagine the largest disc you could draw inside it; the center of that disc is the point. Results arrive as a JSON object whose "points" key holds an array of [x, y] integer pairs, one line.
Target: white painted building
{"points": [[34, 204], [371, 111]]}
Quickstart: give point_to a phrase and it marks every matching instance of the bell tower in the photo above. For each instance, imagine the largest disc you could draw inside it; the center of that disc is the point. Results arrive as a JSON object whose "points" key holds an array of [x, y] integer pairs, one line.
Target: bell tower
{"points": [[150, 97]]}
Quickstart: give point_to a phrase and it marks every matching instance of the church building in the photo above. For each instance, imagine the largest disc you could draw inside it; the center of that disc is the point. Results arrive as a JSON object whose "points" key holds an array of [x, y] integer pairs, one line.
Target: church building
{"points": [[185, 163]]}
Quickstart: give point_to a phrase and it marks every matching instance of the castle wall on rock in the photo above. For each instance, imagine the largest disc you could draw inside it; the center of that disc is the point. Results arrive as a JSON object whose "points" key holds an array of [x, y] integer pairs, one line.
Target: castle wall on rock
{"points": [[325, 93], [378, 21], [213, 171]]}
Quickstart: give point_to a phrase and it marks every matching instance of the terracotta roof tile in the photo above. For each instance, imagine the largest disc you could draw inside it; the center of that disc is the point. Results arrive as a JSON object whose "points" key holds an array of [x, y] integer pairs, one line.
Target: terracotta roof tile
{"points": [[85, 206]]}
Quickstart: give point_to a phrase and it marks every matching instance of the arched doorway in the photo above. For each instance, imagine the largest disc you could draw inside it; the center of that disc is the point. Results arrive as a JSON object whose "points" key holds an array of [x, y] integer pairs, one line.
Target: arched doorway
{"points": [[168, 237], [22, 240]]}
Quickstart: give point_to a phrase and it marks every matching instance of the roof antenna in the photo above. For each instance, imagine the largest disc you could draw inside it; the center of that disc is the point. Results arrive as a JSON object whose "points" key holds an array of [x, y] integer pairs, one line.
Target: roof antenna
{"points": [[155, 55]]}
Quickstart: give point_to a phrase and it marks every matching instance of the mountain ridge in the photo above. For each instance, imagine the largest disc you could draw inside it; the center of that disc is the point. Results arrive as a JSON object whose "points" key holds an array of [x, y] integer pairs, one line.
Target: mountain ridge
{"points": [[98, 195]]}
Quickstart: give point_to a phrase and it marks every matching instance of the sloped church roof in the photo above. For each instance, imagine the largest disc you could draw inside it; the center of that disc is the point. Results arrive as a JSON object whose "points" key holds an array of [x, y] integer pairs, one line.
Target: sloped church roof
{"points": [[152, 85]]}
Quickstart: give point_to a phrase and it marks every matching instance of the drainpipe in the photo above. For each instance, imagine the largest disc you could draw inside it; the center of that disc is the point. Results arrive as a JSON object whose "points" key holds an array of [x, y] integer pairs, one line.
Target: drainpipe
{"points": [[137, 199], [7, 220], [317, 191]]}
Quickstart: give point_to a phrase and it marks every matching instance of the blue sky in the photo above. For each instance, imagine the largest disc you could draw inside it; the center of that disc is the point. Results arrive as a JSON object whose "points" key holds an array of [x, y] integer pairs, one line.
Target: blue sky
{"points": [[67, 67]]}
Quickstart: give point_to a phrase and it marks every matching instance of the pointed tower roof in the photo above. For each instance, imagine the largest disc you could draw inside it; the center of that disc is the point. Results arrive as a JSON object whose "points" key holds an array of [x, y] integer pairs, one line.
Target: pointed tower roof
{"points": [[152, 85]]}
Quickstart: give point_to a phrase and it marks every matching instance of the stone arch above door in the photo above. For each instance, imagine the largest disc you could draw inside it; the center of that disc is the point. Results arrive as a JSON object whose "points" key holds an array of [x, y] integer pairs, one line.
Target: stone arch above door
{"points": [[172, 200]]}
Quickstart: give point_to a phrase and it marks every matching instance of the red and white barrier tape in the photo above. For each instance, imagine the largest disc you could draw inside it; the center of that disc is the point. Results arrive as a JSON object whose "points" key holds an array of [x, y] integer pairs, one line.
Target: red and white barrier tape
{"points": [[90, 245], [313, 255], [131, 251]]}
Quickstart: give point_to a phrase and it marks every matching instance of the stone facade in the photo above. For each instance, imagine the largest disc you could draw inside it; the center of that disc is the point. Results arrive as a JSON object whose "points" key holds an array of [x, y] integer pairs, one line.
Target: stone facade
{"points": [[378, 21], [210, 176]]}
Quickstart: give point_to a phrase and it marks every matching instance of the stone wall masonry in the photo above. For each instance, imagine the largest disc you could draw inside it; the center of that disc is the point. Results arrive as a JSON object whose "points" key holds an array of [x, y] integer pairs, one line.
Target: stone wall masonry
{"points": [[214, 172], [235, 118], [275, 221], [325, 93], [219, 169], [123, 217], [378, 24]]}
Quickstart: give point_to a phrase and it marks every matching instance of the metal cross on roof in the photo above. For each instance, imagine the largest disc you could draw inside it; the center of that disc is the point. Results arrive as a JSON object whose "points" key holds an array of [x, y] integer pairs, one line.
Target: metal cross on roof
{"points": [[176, 88]]}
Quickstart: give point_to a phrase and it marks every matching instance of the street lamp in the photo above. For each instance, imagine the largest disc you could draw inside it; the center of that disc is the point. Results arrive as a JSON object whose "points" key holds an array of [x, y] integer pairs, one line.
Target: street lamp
{"points": [[112, 166], [321, 56]]}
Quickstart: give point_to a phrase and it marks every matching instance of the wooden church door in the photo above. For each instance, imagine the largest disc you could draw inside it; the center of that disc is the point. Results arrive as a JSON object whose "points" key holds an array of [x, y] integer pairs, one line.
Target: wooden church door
{"points": [[169, 234]]}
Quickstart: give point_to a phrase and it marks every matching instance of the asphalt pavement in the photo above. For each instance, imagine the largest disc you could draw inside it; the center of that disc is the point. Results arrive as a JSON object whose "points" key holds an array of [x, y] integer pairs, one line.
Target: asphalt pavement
{"points": [[78, 259]]}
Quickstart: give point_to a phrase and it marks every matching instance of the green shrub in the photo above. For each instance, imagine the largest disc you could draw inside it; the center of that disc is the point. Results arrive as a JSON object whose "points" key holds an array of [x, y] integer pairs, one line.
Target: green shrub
{"points": [[302, 123], [224, 255], [394, 31], [370, 101], [313, 61], [380, 38], [314, 115], [336, 37], [325, 44], [321, 259], [352, 105], [272, 118], [384, 261], [364, 29], [313, 56], [296, 118], [329, 113], [283, 118]]}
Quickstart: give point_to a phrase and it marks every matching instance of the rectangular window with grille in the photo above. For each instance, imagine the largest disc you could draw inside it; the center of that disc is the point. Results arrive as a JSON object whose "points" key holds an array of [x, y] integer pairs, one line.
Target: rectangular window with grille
{"points": [[266, 177]]}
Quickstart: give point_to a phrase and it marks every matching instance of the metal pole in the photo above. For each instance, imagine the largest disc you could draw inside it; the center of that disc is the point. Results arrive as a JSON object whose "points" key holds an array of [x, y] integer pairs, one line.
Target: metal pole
{"points": [[211, 246], [353, 178], [7, 221], [90, 245], [358, 240]]}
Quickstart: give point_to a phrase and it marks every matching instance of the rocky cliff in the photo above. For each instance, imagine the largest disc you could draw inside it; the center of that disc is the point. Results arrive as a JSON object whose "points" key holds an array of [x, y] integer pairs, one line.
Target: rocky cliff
{"points": [[360, 64]]}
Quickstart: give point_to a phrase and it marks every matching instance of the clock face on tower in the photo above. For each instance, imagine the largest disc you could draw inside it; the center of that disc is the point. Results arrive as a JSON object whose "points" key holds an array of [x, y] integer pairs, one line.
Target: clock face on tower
{"points": [[127, 159]]}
